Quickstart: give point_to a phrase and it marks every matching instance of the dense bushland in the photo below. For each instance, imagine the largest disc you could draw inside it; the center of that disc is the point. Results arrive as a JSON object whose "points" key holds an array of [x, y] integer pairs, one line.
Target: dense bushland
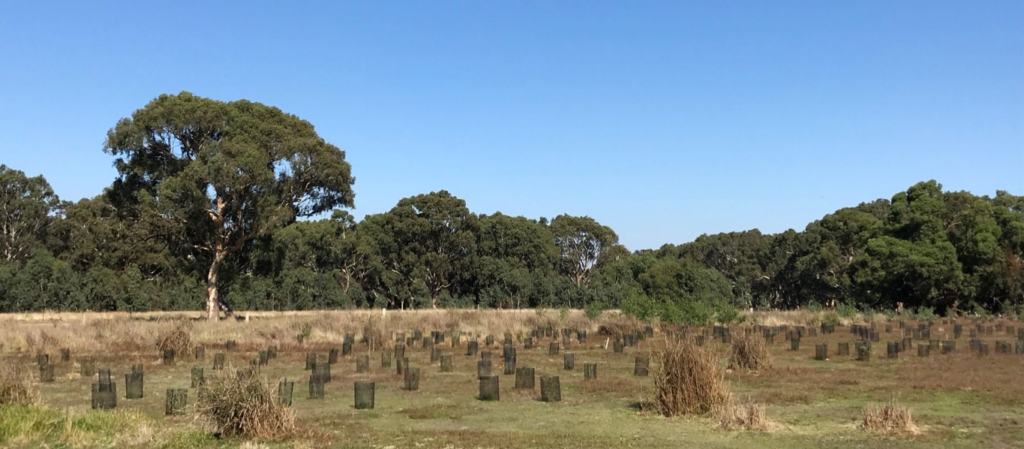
{"points": [[135, 248]]}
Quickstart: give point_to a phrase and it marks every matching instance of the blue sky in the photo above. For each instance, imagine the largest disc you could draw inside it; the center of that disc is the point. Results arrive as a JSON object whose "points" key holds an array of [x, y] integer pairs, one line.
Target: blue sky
{"points": [[663, 120]]}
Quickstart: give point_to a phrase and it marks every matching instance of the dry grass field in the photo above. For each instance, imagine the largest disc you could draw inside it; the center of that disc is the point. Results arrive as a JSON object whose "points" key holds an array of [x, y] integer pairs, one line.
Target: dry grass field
{"points": [[962, 399]]}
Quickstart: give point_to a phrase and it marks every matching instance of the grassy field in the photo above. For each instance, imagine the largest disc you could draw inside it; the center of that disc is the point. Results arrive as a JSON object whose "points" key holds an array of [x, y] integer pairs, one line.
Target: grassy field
{"points": [[957, 400]]}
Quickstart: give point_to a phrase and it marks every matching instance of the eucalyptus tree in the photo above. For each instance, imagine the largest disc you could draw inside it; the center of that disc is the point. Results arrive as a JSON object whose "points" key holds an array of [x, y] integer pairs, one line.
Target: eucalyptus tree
{"points": [[27, 207], [211, 176], [511, 253], [582, 242]]}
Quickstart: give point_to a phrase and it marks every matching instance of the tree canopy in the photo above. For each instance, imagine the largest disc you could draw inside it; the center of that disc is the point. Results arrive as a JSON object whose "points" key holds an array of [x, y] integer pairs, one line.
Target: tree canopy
{"points": [[211, 176], [220, 203]]}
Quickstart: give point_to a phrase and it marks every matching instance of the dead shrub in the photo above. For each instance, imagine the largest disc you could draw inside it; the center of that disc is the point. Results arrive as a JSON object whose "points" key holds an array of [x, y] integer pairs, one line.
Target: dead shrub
{"points": [[16, 386], [619, 324], [241, 403], [744, 416], [373, 333], [889, 418], [750, 352], [689, 380], [177, 338]]}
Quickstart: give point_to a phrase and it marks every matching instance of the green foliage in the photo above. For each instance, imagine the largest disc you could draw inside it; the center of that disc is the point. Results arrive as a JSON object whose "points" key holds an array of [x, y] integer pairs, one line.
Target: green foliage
{"points": [[211, 176], [594, 310], [41, 426], [727, 314], [694, 313], [831, 318], [641, 306], [304, 332], [868, 313], [27, 206], [583, 245], [846, 310], [890, 314], [563, 313], [151, 241], [926, 315]]}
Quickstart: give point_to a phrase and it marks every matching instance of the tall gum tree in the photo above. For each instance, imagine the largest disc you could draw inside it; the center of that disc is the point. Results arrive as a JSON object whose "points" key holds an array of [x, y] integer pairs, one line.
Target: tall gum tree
{"points": [[583, 244], [211, 176], [27, 206]]}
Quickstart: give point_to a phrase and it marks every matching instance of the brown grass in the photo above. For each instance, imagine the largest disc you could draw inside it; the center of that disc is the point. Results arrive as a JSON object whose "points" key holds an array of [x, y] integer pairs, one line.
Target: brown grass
{"points": [[889, 418], [177, 338], [689, 380], [744, 416], [141, 332], [241, 403], [16, 386], [617, 324], [750, 352]]}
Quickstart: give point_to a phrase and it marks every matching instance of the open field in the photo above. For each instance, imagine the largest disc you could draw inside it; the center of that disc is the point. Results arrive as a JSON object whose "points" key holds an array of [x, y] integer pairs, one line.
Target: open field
{"points": [[960, 399]]}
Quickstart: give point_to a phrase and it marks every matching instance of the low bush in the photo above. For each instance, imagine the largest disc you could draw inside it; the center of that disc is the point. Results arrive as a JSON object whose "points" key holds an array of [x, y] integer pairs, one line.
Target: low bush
{"points": [[177, 338], [594, 310], [750, 352], [241, 403], [889, 418], [846, 310], [727, 314], [831, 318], [16, 386], [925, 315], [744, 416]]}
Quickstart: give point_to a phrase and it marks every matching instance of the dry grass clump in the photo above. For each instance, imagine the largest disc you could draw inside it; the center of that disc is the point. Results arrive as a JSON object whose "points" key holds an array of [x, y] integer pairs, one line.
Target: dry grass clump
{"points": [[16, 386], [241, 403], [750, 352], [617, 324], [889, 418], [374, 333], [744, 416], [177, 338], [689, 380]]}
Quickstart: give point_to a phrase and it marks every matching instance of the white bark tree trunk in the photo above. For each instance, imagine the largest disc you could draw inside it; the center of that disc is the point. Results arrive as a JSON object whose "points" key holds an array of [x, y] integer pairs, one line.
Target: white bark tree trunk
{"points": [[212, 293]]}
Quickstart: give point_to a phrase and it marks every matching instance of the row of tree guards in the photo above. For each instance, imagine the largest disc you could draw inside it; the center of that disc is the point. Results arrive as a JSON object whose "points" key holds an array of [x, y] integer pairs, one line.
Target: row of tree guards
{"points": [[104, 390]]}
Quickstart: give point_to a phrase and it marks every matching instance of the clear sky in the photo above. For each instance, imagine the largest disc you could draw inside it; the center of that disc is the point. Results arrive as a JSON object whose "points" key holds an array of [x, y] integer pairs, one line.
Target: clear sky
{"points": [[663, 120]]}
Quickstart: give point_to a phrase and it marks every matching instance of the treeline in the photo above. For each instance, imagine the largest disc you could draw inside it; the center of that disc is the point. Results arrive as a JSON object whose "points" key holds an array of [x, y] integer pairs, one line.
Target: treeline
{"points": [[924, 248], [207, 203]]}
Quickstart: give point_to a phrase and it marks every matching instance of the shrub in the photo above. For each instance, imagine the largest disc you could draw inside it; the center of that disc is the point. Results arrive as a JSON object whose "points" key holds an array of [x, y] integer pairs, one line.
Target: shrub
{"points": [[689, 380], [925, 315], [750, 352], [241, 403], [304, 332], [868, 313], [640, 305], [563, 313], [16, 387], [373, 332], [727, 314], [689, 311], [846, 310], [889, 418], [889, 314], [177, 338], [831, 318], [814, 306], [594, 310], [743, 416]]}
